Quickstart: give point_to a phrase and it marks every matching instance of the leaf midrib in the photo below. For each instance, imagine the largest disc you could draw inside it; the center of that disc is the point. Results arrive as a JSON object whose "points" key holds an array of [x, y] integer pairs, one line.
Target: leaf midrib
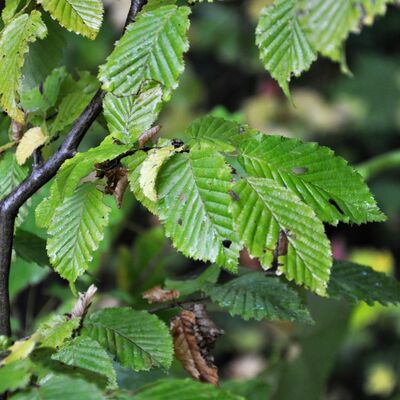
{"points": [[290, 240], [118, 333]]}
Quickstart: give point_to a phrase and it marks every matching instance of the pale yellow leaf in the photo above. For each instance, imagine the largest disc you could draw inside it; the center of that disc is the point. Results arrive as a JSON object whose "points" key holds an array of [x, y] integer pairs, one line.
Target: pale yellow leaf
{"points": [[21, 349], [150, 168], [32, 139]]}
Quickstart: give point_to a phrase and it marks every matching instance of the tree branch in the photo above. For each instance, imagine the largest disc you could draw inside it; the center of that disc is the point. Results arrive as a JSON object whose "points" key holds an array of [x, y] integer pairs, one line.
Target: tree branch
{"points": [[10, 205]]}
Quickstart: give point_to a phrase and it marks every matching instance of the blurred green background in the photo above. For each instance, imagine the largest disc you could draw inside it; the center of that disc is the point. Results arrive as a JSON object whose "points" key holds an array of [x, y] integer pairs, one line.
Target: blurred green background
{"points": [[351, 353]]}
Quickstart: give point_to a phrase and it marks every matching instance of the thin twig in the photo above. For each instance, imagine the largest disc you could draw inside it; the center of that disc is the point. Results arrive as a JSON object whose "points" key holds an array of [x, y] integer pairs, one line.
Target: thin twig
{"points": [[10, 205], [176, 304]]}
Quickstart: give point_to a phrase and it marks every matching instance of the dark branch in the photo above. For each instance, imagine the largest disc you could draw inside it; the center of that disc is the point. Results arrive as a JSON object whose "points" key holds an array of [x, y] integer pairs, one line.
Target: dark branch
{"points": [[10, 205]]}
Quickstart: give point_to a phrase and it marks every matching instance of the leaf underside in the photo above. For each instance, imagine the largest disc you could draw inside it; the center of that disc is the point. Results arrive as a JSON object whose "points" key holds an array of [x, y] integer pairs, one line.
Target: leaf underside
{"points": [[355, 283], [255, 296]]}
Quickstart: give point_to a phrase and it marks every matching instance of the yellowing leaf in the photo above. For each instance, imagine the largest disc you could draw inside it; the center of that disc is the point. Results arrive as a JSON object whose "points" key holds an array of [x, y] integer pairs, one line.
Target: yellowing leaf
{"points": [[150, 168], [32, 139], [21, 349]]}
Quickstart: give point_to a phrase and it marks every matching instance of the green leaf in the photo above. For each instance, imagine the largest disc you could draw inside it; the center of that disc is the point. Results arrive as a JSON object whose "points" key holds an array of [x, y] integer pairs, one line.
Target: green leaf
{"points": [[355, 283], [262, 210], [334, 190], [128, 117], [62, 387], [139, 340], [86, 353], [134, 166], [14, 43], [190, 286], [30, 247], [41, 99], [51, 333], [285, 49], [329, 23], [150, 50], [24, 274], [76, 231], [9, 10], [374, 8], [11, 176], [256, 296], [14, 376], [45, 210], [44, 55], [71, 107], [79, 16], [217, 133], [193, 205], [56, 330], [183, 389]]}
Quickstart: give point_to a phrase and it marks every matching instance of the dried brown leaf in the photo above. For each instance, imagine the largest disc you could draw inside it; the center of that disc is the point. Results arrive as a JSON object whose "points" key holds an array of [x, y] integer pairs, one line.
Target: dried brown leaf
{"points": [[192, 344], [207, 328], [159, 295], [120, 188], [148, 135], [117, 180], [82, 305]]}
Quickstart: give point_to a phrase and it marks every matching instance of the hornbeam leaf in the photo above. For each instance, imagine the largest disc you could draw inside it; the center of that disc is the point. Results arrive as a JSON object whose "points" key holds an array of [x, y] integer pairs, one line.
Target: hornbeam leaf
{"points": [[192, 348], [45, 210], [44, 55], [190, 286], [9, 10], [62, 387], [355, 283], [134, 166], [217, 133], [76, 230], [374, 8], [15, 376], [183, 389], [138, 340], [257, 296], [32, 140], [334, 190], [71, 106], [150, 50], [284, 46], [11, 176], [86, 353], [150, 168], [31, 248], [193, 191], [263, 211], [329, 23], [128, 117], [58, 328], [52, 333], [80, 16], [14, 43]]}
